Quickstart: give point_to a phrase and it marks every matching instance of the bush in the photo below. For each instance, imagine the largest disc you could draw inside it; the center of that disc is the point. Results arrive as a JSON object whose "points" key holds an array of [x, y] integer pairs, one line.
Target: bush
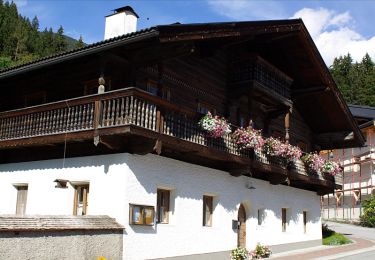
{"points": [[368, 217], [239, 253], [261, 251]]}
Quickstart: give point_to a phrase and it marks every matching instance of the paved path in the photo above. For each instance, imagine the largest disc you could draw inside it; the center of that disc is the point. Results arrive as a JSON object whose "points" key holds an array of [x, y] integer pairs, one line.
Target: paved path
{"points": [[362, 248]]}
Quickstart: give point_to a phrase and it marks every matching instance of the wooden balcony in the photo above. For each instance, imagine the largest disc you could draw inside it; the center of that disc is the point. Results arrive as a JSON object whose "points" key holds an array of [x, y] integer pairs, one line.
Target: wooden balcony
{"points": [[131, 120]]}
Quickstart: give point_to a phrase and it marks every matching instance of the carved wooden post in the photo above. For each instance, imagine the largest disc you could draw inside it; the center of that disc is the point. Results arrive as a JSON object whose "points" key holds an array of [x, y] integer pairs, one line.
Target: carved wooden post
{"points": [[97, 111], [287, 124]]}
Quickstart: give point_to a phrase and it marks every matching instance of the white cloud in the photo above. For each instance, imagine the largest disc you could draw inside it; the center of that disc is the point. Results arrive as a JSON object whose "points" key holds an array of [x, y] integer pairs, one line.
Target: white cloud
{"points": [[335, 35], [248, 10]]}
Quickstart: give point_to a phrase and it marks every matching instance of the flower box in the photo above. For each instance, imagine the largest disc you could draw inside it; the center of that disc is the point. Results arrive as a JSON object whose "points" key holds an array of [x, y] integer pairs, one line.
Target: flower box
{"points": [[248, 138], [214, 126]]}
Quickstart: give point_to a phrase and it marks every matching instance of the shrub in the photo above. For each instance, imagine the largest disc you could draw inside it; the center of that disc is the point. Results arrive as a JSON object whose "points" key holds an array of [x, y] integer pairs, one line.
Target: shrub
{"points": [[261, 251], [239, 253], [368, 217]]}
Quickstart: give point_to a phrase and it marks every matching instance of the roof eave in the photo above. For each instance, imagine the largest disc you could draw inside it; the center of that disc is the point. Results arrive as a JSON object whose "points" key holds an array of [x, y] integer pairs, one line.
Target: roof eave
{"points": [[78, 53]]}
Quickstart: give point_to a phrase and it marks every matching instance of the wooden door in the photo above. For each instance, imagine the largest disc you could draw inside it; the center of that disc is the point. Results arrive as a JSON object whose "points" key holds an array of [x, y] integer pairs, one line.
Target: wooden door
{"points": [[241, 241]]}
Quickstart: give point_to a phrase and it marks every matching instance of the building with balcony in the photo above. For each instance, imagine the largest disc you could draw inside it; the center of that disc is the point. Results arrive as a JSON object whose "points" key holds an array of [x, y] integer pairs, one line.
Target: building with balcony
{"points": [[112, 129], [359, 172]]}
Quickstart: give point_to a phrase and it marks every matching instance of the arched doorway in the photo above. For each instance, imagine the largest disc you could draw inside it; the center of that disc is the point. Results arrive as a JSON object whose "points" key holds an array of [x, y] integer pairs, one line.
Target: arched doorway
{"points": [[241, 240]]}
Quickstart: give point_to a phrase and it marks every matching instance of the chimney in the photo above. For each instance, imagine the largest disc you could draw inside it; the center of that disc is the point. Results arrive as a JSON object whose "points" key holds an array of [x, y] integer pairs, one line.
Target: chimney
{"points": [[122, 21]]}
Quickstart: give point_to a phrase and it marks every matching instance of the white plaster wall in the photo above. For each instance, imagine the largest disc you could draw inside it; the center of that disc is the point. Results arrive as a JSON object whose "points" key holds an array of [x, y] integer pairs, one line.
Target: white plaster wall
{"points": [[120, 179]]}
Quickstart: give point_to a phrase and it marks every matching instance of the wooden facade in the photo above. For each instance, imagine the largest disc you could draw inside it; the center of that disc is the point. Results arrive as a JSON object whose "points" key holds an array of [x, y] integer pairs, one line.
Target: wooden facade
{"points": [[158, 81]]}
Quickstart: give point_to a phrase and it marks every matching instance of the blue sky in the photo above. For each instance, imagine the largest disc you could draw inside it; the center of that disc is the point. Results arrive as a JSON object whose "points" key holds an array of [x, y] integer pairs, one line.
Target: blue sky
{"points": [[337, 26]]}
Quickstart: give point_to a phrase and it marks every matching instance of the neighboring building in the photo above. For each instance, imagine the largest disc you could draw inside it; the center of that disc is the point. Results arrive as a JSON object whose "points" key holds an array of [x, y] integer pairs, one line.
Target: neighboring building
{"points": [[136, 153], [359, 172]]}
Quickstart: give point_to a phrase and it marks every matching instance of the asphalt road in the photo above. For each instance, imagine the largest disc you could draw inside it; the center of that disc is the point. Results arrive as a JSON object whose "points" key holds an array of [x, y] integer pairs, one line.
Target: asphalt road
{"points": [[353, 231]]}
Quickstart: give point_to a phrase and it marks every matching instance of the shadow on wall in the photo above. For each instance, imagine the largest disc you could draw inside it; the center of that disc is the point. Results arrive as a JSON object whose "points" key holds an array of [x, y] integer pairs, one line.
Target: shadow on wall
{"points": [[104, 161]]}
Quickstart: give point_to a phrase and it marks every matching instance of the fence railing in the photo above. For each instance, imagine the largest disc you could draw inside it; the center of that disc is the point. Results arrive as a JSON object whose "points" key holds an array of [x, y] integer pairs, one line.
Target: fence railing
{"points": [[129, 106]]}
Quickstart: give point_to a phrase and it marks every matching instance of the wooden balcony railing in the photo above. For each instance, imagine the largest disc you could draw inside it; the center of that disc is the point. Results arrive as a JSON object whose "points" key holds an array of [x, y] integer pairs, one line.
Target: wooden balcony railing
{"points": [[126, 107]]}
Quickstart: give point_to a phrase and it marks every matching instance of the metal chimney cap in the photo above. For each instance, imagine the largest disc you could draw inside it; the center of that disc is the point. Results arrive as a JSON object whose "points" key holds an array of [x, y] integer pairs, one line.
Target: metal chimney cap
{"points": [[124, 9]]}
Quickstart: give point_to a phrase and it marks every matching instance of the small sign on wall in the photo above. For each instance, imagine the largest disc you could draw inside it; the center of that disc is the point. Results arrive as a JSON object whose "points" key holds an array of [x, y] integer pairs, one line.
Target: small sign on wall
{"points": [[141, 215]]}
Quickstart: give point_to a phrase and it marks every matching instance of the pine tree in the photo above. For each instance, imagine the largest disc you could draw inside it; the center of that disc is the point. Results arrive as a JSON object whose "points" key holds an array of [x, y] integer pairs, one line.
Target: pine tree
{"points": [[59, 42], [80, 43]]}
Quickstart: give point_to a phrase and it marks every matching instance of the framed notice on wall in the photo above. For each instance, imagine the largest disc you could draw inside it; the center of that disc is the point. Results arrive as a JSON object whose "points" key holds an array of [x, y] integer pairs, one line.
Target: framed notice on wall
{"points": [[141, 215]]}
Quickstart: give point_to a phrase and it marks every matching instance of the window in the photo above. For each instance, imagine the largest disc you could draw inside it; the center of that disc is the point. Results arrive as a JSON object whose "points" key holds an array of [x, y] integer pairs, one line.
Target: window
{"points": [[163, 198], [261, 216], [80, 199], [141, 215], [152, 88], [21, 199], [204, 107], [207, 210], [304, 221], [283, 219]]}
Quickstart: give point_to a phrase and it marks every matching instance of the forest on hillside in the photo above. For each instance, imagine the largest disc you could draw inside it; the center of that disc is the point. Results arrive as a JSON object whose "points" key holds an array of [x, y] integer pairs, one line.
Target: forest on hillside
{"points": [[356, 80], [21, 40]]}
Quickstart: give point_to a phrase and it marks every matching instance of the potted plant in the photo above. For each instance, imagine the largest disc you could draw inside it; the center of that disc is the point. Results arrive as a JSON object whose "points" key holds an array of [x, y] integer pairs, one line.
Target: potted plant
{"points": [[261, 251], [239, 253], [292, 153], [215, 126], [248, 138], [273, 147], [330, 168], [313, 162]]}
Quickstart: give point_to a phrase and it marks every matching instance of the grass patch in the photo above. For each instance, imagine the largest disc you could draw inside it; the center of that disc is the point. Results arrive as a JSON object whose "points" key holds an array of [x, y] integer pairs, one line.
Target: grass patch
{"points": [[336, 239], [331, 238]]}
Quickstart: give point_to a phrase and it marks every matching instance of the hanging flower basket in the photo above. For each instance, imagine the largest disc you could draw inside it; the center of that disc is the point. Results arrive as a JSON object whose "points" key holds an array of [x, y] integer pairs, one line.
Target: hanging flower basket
{"points": [[273, 147], [313, 162], [331, 168], [248, 138], [214, 126], [292, 153]]}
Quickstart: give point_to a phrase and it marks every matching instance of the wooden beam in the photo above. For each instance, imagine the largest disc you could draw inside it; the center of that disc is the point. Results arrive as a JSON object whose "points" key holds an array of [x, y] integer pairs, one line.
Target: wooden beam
{"points": [[298, 93]]}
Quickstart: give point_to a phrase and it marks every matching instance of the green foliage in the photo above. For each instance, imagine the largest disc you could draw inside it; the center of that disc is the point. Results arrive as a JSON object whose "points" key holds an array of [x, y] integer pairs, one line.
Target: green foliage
{"points": [[21, 41], [331, 238], [80, 42], [368, 217], [239, 253], [261, 252], [356, 81]]}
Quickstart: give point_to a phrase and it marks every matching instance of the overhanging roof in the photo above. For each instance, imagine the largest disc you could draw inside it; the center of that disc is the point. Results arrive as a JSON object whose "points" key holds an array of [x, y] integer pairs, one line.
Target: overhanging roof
{"points": [[290, 47]]}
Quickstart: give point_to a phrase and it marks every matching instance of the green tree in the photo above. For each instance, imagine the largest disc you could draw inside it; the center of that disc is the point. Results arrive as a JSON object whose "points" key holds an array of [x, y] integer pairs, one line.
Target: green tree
{"points": [[80, 42], [356, 81], [368, 217], [59, 41]]}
